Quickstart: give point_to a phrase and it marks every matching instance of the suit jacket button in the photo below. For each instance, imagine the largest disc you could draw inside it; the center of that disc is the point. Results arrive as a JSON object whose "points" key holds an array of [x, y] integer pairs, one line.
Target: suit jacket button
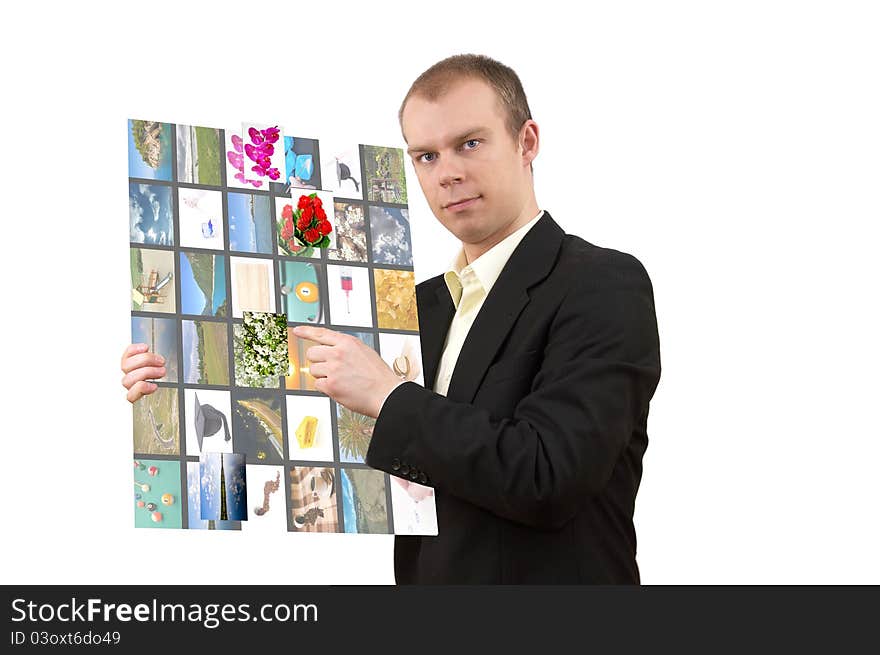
{"points": [[423, 478], [404, 469], [414, 474], [395, 464]]}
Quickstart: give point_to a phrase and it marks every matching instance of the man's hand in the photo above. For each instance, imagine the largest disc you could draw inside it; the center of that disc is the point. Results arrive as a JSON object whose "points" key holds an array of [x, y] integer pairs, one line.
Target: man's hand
{"points": [[348, 370], [140, 365]]}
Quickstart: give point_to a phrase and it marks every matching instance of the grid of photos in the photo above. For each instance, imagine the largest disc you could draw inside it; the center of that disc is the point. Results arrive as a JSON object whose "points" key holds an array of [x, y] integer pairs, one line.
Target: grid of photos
{"points": [[237, 437]]}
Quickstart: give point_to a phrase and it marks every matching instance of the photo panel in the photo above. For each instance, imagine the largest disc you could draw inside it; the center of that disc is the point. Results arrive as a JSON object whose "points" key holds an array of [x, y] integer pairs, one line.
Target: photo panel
{"points": [[198, 155], [263, 150], [202, 284], [302, 166], [396, 299], [208, 422], [285, 209], [201, 218], [413, 507], [364, 508], [235, 162], [298, 375], [156, 418], [160, 334], [353, 433], [260, 350], [309, 428], [348, 240], [389, 228], [403, 353], [266, 496], [157, 497], [205, 352], [251, 226], [313, 499], [384, 171], [194, 503], [152, 280], [151, 214], [253, 285], [341, 169], [257, 424], [301, 297], [349, 291], [149, 149], [223, 487]]}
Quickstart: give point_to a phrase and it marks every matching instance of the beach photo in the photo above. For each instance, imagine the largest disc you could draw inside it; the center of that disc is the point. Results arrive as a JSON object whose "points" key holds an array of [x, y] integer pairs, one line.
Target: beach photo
{"points": [[301, 166], [403, 353], [201, 218], [251, 227], [301, 298], [267, 498], [313, 499], [260, 350], [396, 299], [258, 425], [208, 421], [160, 335], [353, 433], [203, 284], [386, 179], [348, 240], [150, 214], [152, 280], [149, 150], [198, 155], [157, 499], [364, 508], [194, 519], [389, 230], [341, 169], [253, 285], [205, 352], [156, 419], [309, 429], [349, 291]]}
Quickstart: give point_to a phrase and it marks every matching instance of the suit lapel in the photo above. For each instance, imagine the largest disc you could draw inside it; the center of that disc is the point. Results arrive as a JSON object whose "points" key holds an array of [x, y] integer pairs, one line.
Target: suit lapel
{"points": [[436, 310], [531, 261]]}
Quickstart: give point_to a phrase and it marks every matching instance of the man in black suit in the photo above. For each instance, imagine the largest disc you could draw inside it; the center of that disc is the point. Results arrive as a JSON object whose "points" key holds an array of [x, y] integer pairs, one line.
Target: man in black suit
{"points": [[540, 355]]}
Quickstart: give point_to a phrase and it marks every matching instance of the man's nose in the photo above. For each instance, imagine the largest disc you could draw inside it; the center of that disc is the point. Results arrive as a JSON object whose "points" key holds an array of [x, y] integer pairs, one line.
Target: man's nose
{"points": [[450, 170]]}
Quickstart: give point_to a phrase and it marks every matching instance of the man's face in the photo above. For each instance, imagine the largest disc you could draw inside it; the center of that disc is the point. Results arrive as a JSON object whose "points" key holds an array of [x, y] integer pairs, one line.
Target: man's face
{"points": [[461, 151]]}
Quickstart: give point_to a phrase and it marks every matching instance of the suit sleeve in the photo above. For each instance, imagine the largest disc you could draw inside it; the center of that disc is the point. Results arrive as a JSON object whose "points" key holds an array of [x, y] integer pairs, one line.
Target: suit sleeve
{"points": [[600, 368]]}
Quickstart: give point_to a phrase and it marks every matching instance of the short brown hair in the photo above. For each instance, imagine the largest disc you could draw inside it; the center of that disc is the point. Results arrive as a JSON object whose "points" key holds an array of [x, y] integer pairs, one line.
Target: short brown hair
{"points": [[437, 80]]}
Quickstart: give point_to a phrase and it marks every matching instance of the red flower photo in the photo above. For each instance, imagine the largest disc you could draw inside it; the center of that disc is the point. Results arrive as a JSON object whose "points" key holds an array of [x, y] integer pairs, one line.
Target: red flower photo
{"points": [[304, 228]]}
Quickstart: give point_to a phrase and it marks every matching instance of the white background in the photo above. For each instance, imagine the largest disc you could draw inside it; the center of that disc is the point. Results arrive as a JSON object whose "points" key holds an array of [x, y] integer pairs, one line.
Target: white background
{"points": [[734, 148]]}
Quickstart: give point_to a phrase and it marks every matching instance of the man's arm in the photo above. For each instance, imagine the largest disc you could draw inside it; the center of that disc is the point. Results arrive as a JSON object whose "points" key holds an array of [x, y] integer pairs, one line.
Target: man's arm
{"points": [[601, 366]]}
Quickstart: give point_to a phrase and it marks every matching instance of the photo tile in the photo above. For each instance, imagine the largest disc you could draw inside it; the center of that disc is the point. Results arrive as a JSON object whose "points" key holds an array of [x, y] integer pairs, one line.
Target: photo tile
{"points": [[251, 226], [386, 178], [223, 487], [313, 499], [151, 214], [152, 280], [301, 297], [156, 419], [157, 499], [302, 166], [353, 433], [194, 500], [298, 375], [253, 285], [413, 508], [198, 155], [364, 508], [260, 347], [160, 335], [396, 299], [403, 353], [349, 291], [389, 227], [266, 496], [286, 210], [201, 218], [202, 284], [205, 352], [209, 426], [263, 152], [149, 150], [348, 240], [341, 169], [310, 428], [258, 425]]}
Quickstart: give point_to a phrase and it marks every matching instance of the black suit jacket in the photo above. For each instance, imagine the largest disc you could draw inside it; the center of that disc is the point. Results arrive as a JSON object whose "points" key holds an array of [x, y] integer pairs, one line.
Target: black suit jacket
{"points": [[535, 453]]}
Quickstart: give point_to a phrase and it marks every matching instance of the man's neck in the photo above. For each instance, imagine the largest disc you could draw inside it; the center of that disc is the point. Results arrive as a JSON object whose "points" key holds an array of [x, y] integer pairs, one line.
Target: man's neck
{"points": [[474, 250]]}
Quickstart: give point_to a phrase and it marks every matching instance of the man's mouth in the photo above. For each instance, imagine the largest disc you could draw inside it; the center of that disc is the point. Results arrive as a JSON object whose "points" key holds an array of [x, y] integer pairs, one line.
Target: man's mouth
{"points": [[461, 204]]}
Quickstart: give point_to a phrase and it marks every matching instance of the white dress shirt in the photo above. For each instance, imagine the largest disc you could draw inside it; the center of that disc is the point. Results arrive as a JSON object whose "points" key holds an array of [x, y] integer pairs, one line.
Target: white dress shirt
{"points": [[469, 284]]}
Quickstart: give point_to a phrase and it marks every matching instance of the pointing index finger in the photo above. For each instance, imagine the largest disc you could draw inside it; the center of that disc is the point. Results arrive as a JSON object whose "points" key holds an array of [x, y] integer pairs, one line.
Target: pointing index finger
{"points": [[319, 334]]}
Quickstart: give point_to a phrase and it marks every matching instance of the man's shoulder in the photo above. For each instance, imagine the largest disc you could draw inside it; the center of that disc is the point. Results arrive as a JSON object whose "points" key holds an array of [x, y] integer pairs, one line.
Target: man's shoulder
{"points": [[590, 263]]}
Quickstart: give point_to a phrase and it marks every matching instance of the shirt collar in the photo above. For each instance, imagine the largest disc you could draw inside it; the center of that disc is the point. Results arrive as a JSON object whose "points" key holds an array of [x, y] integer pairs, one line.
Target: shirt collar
{"points": [[486, 268]]}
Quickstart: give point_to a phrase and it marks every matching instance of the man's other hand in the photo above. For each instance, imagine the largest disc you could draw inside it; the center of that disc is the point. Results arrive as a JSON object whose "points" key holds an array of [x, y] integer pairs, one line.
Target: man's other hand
{"points": [[139, 365]]}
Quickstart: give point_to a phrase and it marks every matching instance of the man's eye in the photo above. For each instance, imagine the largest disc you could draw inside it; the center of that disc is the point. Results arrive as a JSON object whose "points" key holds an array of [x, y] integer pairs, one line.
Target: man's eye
{"points": [[474, 141], [425, 155]]}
